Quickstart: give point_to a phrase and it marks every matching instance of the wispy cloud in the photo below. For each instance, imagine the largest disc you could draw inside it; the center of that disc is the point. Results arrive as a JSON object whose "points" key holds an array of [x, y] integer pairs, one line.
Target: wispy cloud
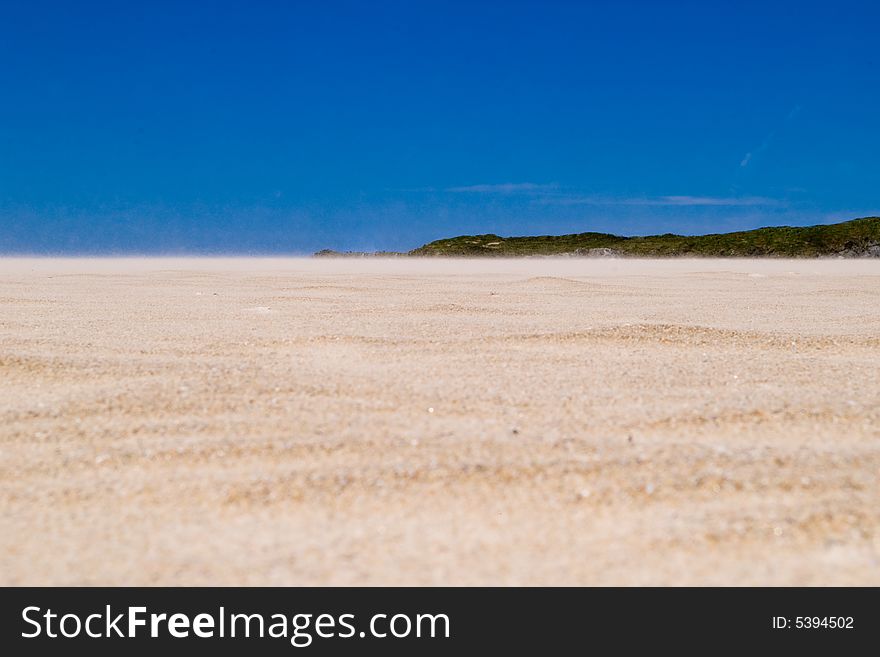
{"points": [[715, 200], [504, 188], [553, 194], [680, 201], [764, 145]]}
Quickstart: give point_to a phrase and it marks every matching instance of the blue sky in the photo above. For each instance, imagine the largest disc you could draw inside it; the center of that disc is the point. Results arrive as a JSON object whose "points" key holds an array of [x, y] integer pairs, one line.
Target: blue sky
{"points": [[261, 127]]}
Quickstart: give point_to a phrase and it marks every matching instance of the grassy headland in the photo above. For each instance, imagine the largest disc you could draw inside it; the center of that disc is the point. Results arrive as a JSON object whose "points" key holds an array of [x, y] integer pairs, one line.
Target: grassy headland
{"points": [[856, 238]]}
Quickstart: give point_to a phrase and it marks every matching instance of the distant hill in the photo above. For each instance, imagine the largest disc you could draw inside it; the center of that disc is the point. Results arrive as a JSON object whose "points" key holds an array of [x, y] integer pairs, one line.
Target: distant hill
{"points": [[330, 253], [856, 238]]}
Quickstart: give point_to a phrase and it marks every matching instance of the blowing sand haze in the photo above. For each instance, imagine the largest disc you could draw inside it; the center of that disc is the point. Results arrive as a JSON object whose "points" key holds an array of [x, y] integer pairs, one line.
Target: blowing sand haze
{"points": [[257, 421]]}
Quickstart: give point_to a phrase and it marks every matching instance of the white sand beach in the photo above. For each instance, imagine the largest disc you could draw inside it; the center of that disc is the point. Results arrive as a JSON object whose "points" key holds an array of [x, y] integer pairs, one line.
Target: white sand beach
{"points": [[359, 421]]}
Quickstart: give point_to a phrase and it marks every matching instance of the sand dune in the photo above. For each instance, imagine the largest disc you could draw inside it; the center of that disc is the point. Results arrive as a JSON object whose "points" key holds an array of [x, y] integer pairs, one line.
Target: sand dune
{"points": [[286, 421]]}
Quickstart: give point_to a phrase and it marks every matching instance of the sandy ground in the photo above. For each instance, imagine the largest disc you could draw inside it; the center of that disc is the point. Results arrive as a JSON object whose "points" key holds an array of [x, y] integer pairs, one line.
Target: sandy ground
{"points": [[291, 422]]}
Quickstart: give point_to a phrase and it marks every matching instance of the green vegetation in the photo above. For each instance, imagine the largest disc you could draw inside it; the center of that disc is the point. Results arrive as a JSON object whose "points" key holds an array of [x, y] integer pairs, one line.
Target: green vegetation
{"points": [[856, 238]]}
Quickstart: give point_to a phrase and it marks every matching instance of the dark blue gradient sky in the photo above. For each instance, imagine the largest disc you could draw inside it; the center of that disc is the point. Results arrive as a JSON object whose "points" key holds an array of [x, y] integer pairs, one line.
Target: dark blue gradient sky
{"points": [[260, 127]]}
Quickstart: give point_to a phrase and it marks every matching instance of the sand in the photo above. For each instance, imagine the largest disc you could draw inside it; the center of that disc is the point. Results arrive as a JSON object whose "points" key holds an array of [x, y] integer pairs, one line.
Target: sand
{"points": [[312, 422]]}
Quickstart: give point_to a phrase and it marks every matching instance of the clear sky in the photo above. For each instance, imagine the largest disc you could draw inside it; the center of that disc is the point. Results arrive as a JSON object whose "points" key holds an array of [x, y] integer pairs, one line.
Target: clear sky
{"points": [[258, 126]]}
